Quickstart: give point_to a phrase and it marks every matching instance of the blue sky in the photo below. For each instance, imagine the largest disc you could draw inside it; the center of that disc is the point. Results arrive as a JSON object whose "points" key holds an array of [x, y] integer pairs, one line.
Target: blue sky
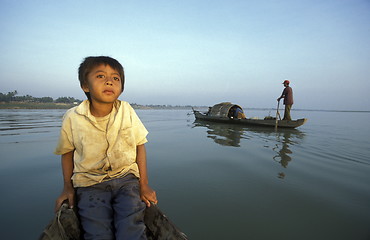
{"points": [[194, 52]]}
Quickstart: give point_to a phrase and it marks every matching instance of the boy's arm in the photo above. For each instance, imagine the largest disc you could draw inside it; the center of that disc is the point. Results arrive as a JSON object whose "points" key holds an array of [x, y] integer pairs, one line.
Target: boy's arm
{"points": [[146, 193], [68, 190]]}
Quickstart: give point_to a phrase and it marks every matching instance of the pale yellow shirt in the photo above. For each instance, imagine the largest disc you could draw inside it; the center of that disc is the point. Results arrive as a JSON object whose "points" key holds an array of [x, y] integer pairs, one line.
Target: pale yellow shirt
{"points": [[102, 150]]}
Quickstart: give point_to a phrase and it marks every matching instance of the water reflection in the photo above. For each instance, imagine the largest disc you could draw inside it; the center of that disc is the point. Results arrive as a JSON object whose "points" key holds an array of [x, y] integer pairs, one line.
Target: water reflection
{"points": [[233, 135], [223, 134], [283, 152]]}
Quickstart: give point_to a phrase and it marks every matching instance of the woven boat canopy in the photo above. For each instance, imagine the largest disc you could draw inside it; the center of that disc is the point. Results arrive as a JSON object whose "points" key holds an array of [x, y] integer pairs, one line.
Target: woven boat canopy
{"points": [[222, 109]]}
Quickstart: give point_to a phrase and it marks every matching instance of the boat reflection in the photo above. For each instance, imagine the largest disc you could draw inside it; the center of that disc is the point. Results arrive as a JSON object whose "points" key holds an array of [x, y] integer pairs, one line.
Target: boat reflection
{"points": [[223, 134], [279, 141]]}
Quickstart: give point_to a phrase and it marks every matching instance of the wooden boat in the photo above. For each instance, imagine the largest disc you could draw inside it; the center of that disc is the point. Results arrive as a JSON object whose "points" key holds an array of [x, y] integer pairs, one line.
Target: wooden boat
{"points": [[65, 225], [223, 112]]}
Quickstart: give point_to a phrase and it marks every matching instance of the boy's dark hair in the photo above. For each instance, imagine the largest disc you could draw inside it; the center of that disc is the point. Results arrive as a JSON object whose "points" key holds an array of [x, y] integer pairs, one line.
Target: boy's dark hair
{"points": [[90, 62]]}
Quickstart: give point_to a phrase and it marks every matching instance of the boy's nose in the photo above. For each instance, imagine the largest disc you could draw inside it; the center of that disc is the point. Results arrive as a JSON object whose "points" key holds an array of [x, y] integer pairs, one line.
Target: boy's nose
{"points": [[109, 81]]}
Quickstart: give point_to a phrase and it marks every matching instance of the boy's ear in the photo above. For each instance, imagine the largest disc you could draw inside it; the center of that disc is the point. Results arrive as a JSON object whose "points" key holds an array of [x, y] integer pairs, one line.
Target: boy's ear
{"points": [[85, 87]]}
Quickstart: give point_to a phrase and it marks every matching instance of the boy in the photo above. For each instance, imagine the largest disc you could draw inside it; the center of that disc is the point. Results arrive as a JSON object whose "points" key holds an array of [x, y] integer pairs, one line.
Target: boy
{"points": [[103, 156]]}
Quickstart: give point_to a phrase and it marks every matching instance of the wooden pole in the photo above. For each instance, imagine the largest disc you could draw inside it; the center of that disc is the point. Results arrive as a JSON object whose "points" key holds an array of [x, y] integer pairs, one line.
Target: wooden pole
{"points": [[277, 114]]}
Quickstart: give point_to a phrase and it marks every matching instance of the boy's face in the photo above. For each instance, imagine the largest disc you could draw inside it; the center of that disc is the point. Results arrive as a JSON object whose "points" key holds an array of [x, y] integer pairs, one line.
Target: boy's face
{"points": [[104, 84]]}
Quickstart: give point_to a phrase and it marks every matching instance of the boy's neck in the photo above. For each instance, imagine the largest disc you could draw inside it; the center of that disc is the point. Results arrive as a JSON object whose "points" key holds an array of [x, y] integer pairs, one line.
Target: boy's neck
{"points": [[100, 109]]}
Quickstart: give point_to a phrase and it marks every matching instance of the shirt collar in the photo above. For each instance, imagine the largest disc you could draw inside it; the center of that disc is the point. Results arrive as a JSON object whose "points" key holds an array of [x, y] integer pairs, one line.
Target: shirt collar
{"points": [[84, 108]]}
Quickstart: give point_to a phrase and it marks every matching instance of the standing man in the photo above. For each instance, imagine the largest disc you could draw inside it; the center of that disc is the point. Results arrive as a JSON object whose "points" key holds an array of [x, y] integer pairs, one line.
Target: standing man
{"points": [[288, 100]]}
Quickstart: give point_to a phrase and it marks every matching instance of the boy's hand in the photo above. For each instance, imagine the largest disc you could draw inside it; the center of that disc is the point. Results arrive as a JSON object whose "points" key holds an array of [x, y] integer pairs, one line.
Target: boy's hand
{"points": [[67, 194], [147, 194]]}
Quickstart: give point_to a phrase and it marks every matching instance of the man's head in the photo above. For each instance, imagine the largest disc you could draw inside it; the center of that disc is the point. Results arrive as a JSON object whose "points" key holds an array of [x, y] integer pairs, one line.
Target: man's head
{"points": [[90, 63], [286, 83]]}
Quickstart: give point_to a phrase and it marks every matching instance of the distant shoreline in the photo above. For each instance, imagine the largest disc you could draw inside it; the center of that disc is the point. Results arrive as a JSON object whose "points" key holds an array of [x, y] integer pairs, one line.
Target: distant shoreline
{"points": [[30, 105], [34, 105]]}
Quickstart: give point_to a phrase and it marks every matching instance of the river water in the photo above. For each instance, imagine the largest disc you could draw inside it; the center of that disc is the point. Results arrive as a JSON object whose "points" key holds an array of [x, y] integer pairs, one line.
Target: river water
{"points": [[214, 181]]}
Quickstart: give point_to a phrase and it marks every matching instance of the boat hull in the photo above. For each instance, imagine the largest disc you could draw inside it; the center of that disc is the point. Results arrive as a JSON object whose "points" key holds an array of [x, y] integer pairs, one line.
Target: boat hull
{"points": [[65, 225], [251, 122]]}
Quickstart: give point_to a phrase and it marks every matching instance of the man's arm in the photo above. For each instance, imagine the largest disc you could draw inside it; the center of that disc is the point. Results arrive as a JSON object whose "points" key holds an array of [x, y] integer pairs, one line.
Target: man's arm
{"points": [[282, 94]]}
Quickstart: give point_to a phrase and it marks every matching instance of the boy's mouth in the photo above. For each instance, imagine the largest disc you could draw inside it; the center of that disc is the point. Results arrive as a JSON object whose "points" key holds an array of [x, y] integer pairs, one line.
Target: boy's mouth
{"points": [[108, 91]]}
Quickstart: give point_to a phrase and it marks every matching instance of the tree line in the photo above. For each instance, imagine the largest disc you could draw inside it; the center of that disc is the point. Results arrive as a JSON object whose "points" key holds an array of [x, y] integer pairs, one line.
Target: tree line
{"points": [[12, 97]]}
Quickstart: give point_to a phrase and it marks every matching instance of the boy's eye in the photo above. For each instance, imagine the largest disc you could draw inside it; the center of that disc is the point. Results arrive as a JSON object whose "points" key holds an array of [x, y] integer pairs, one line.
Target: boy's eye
{"points": [[117, 79], [100, 76]]}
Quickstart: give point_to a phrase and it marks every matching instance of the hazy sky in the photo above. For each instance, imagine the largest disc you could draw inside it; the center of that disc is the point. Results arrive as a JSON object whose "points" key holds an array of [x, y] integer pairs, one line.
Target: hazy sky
{"points": [[194, 52]]}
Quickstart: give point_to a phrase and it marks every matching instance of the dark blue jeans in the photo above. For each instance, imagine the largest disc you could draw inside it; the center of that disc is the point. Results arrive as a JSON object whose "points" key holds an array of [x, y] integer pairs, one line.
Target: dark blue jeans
{"points": [[112, 210]]}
